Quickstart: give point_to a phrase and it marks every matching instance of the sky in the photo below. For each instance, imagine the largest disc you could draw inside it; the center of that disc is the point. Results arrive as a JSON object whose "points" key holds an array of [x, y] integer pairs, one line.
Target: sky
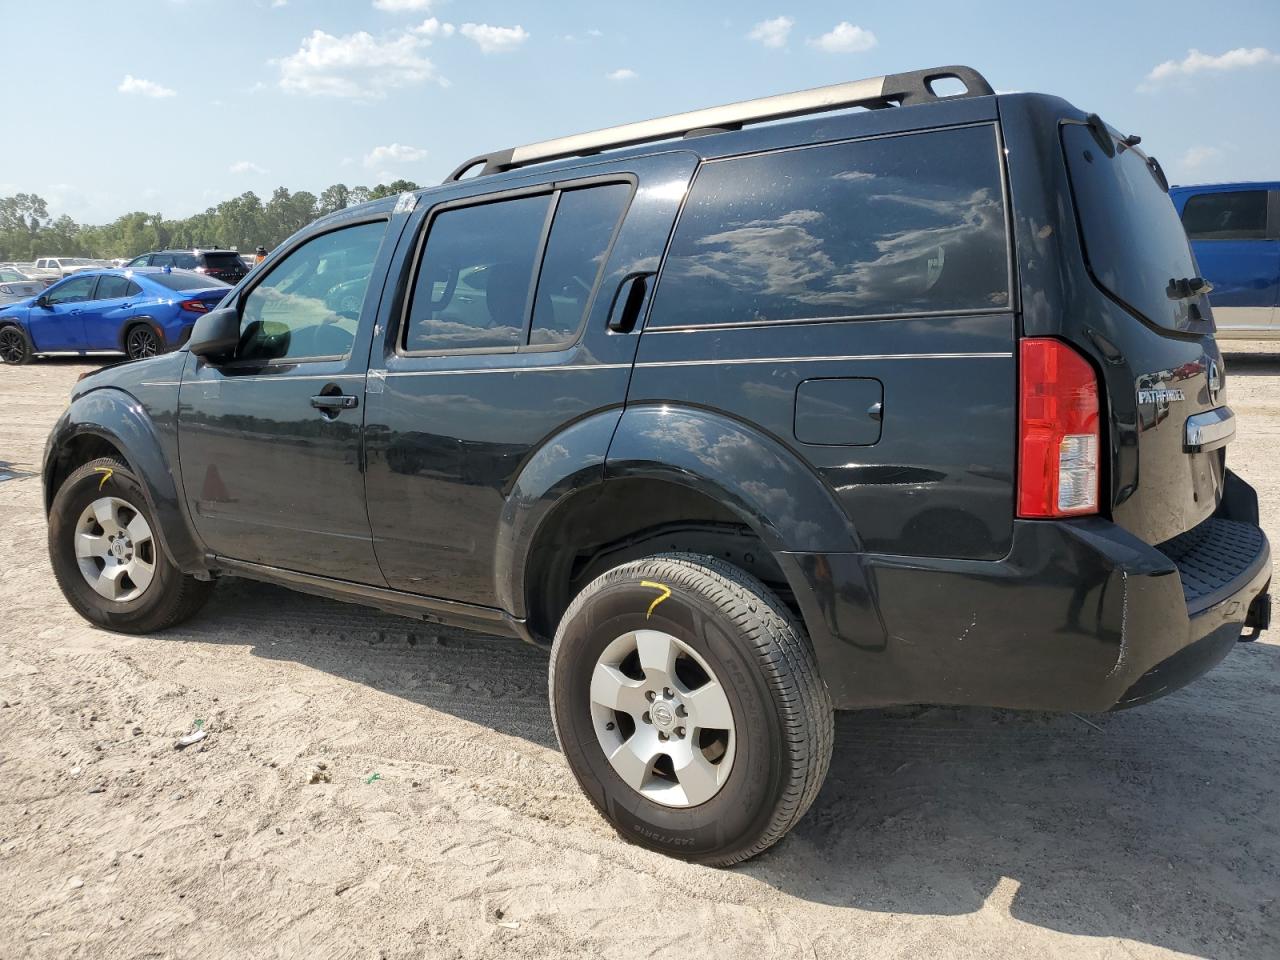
{"points": [[171, 106]]}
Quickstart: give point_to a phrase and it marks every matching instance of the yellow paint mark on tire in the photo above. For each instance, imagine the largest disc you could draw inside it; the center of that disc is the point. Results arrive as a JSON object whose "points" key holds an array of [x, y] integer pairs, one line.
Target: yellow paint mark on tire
{"points": [[106, 475], [665, 592]]}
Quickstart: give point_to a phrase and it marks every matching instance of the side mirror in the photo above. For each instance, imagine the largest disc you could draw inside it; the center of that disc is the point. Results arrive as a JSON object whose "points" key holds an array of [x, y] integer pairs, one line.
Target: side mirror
{"points": [[41, 302], [216, 335]]}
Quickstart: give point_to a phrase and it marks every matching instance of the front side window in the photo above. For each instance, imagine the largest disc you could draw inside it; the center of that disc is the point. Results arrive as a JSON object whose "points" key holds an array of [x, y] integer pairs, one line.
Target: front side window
{"points": [[898, 225], [75, 290], [308, 307], [1234, 215]]}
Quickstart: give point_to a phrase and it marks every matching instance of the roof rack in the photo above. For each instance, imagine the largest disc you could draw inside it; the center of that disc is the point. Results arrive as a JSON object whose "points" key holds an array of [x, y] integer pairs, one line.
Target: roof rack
{"points": [[896, 89]]}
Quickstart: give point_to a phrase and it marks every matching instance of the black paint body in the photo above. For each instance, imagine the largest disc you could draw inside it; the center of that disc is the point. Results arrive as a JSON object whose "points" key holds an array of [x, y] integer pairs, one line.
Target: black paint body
{"points": [[866, 467]]}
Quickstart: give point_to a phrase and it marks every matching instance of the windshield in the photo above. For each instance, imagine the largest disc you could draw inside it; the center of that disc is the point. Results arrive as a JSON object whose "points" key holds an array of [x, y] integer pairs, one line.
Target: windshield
{"points": [[181, 280], [1134, 241]]}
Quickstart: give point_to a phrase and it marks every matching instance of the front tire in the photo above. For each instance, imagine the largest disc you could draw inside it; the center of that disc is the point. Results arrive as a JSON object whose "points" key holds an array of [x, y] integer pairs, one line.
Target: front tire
{"points": [[106, 554], [687, 701], [15, 346]]}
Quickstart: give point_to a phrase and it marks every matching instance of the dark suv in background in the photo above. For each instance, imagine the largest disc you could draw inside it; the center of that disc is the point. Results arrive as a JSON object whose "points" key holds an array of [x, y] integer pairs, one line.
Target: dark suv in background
{"points": [[224, 265], [880, 407]]}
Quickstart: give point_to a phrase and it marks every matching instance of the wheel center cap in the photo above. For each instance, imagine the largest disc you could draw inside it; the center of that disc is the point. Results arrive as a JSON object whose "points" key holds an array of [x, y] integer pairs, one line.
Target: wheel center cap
{"points": [[663, 715]]}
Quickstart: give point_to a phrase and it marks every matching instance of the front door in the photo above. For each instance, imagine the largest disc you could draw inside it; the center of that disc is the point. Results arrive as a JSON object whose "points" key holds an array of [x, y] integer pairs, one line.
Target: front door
{"points": [[58, 325], [269, 441], [500, 343]]}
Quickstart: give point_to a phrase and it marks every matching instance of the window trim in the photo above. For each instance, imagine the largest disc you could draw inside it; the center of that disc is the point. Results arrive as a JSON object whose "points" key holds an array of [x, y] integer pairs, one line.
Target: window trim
{"points": [[555, 188], [237, 363], [1267, 231], [1012, 304]]}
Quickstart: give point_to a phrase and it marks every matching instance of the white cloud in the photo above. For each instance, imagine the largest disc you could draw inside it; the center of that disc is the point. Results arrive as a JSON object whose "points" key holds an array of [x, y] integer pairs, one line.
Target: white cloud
{"points": [[772, 33], [622, 73], [357, 65], [393, 153], [1196, 62], [1199, 155], [279, 3], [400, 6], [494, 39], [431, 27], [245, 166], [593, 32], [844, 37], [143, 88]]}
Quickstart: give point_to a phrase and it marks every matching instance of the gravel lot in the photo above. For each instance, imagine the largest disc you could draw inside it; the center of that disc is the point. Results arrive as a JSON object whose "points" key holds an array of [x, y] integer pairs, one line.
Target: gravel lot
{"points": [[940, 832]]}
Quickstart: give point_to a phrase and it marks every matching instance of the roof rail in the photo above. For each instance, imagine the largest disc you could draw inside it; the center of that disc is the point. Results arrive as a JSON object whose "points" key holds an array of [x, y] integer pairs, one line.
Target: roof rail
{"points": [[896, 89]]}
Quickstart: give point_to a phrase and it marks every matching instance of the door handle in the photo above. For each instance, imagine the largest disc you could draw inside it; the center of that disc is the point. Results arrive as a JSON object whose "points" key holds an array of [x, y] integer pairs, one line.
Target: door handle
{"points": [[335, 401], [627, 301]]}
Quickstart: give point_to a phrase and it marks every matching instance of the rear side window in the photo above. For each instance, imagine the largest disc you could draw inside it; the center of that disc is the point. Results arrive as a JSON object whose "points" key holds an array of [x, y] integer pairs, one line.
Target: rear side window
{"points": [[585, 220], [1133, 240], [1237, 215], [900, 225], [475, 285], [112, 287]]}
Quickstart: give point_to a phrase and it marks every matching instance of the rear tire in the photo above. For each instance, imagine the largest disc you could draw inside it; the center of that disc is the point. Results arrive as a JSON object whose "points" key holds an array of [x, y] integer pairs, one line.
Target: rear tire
{"points": [[740, 686], [106, 554], [15, 346], [141, 341]]}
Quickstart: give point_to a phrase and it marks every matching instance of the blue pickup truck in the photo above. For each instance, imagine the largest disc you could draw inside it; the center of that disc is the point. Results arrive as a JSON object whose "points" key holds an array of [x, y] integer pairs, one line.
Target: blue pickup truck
{"points": [[1234, 230]]}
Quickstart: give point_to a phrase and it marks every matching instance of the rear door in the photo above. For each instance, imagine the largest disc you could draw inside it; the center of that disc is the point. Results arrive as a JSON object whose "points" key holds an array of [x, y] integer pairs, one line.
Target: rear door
{"points": [[500, 343], [1237, 254], [104, 315]]}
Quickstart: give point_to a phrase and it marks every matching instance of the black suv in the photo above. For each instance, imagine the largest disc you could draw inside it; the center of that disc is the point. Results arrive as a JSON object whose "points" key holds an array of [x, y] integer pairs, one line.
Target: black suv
{"points": [[875, 407], [225, 265]]}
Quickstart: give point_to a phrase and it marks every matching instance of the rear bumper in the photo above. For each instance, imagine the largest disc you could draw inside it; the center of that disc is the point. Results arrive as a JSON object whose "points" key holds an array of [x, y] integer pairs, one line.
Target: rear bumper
{"points": [[1081, 615]]}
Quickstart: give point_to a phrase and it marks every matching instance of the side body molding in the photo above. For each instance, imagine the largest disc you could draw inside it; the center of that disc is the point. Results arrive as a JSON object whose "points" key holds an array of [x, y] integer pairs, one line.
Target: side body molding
{"points": [[748, 471], [120, 419]]}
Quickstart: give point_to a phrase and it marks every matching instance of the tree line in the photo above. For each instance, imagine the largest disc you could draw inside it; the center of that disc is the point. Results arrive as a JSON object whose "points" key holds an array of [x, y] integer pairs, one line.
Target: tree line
{"points": [[28, 231]]}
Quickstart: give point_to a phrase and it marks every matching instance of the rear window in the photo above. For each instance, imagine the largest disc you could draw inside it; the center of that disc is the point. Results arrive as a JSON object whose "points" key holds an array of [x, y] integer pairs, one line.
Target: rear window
{"points": [[912, 224], [223, 261], [180, 280], [1133, 240], [1231, 215]]}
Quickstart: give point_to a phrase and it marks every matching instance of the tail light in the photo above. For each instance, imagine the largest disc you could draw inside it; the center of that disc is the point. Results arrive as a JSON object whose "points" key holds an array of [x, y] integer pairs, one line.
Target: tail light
{"points": [[1058, 431], [194, 306]]}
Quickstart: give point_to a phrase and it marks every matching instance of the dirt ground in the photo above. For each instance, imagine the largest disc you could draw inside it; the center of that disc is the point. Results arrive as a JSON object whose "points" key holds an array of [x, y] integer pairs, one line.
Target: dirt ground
{"points": [[444, 822]]}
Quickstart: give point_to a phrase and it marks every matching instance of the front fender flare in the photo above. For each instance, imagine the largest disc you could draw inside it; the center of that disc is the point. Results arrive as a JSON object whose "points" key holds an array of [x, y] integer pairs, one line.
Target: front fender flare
{"points": [[118, 418]]}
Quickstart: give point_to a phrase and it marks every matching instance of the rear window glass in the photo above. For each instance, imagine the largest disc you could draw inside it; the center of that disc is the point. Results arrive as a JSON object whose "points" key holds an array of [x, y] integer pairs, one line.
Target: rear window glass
{"points": [[180, 280], [1133, 240], [1233, 215], [223, 261], [900, 225]]}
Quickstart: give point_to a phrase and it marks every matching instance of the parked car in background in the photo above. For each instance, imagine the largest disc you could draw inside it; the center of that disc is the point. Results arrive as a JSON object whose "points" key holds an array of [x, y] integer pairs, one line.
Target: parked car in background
{"points": [[223, 264], [139, 312], [741, 427], [16, 285], [58, 267], [1234, 230]]}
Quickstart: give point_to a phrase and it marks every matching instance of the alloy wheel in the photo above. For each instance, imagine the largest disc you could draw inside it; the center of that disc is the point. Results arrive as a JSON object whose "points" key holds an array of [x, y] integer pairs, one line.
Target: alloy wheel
{"points": [[115, 550], [143, 343], [13, 348], [662, 718]]}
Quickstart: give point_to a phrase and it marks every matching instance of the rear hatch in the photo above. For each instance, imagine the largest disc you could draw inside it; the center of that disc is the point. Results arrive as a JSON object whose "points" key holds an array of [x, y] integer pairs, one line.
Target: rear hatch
{"points": [[1163, 351], [225, 265]]}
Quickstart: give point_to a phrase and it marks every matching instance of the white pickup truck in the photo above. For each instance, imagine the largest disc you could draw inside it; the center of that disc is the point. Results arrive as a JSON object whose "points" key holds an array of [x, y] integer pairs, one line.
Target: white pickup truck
{"points": [[59, 267]]}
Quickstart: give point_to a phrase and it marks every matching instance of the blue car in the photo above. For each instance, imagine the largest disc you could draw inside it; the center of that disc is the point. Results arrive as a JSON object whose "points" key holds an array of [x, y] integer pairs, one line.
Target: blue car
{"points": [[1234, 230], [140, 312]]}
